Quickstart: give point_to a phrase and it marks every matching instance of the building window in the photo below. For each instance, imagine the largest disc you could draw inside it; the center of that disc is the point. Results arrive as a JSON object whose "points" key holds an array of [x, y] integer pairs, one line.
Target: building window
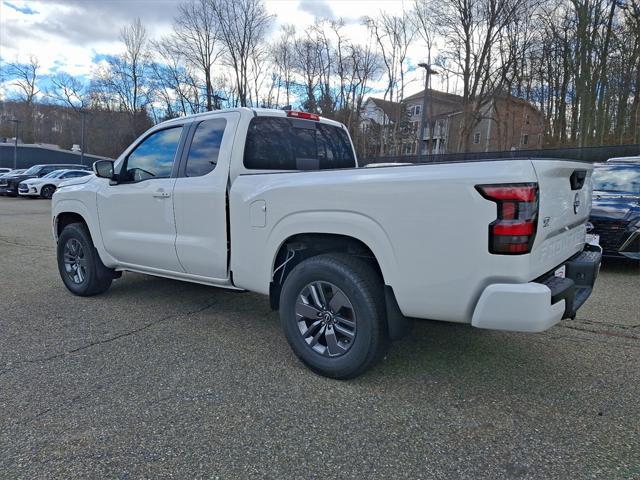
{"points": [[476, 138], [526, 118], [525, 139], [414, 110]]}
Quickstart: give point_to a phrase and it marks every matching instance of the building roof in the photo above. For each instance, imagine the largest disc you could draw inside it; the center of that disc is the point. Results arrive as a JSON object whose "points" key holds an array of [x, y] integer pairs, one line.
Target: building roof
{"points": [[437, 94], [391, 109]]}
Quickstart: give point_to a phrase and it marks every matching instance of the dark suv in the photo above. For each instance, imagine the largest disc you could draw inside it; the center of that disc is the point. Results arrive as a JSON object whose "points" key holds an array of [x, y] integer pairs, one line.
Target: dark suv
{"points": [[616, 208], [9, 183]]}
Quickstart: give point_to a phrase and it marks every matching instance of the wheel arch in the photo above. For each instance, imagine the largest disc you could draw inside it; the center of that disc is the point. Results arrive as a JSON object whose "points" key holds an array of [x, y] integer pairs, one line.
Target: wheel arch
{"points": [[70, 211], [298, 247]]}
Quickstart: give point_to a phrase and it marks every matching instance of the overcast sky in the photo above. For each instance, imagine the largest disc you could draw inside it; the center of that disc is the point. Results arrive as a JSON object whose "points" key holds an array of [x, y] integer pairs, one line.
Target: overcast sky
{"points": [[72, 35]]}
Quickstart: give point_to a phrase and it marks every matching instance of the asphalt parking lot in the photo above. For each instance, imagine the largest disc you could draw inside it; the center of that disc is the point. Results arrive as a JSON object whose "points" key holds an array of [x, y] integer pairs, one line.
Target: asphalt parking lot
{"points": [[162, 379]]}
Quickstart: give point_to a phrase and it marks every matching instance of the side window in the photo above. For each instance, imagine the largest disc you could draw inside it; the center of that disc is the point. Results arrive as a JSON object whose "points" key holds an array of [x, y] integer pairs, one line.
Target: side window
{"points": [[74, 174], [294, 144], [268, 145], [205, 147], [154, 157]]}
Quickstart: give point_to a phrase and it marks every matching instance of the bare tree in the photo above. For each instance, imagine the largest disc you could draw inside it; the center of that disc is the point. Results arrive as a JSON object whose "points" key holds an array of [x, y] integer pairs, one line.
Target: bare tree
{"points": [[69, 90], [283, 54], [242, 25], [25, 78], [423, 22], [196, 39], [471, 31], [125, 79], [393, 35]]}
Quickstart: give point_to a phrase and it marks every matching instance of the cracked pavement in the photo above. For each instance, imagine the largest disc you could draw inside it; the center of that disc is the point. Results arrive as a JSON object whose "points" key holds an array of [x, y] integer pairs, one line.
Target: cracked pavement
{"points": [[162, 379]]}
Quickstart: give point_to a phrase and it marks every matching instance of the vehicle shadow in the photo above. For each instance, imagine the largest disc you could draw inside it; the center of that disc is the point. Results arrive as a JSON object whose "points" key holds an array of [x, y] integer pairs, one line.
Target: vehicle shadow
{"points": [[433, 352], [621, 265]]}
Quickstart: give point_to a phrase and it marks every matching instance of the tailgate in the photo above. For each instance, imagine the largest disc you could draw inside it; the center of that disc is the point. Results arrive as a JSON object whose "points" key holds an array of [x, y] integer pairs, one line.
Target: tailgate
{"points": [[565, 205]]}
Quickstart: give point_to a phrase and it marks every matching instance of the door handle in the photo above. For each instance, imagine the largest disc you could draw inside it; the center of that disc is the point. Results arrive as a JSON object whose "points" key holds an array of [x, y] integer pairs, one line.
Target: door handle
{"points": [[161, 194]]}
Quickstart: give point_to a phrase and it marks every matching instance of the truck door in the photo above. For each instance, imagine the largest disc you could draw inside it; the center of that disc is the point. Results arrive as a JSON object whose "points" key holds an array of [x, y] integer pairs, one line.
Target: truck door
{"points": [[136, 214], [200, 195]]}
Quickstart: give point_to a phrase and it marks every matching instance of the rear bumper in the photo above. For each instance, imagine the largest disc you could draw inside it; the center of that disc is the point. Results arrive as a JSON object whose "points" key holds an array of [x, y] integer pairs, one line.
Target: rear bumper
{"points": [[538, 305]]}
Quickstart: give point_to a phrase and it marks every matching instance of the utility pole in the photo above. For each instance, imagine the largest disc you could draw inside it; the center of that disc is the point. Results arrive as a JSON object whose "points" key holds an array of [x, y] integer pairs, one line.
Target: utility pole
{"points": [[423, 121], [15, 122], [83, 114]]}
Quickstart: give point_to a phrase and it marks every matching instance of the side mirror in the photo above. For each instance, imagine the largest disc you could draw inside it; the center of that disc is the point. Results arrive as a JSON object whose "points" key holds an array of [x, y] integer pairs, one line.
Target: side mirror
{"points": [[104, 169]]}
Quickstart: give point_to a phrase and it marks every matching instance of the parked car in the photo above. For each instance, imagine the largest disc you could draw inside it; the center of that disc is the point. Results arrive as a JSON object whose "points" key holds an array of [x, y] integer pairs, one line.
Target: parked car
{"points": [[615, 214], [635, 159], [4, 170], [275, 202], [45, 187], [3, 175], [9, 183], [12, 172]]}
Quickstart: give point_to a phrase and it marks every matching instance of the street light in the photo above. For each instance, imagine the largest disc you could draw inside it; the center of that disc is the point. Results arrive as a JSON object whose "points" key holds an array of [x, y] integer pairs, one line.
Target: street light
{"points": [[15, 122], [428, 72]]}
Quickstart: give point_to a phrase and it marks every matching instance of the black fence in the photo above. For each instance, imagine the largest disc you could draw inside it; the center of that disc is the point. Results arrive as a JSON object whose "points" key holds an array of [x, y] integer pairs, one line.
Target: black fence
{"points": [[29, 155], [586, 154]]}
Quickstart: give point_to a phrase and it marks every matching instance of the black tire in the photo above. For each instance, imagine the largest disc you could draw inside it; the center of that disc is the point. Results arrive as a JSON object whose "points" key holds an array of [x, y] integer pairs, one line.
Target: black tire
{"points": [[364, 291], [47, 191], [95, 277]]}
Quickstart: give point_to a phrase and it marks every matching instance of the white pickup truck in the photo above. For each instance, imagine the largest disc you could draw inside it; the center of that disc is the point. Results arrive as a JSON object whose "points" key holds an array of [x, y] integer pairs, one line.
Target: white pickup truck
{"points": [[275, 202]]}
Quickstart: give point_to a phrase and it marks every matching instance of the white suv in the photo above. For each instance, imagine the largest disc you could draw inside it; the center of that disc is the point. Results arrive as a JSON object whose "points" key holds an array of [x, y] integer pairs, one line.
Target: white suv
{"points": [[45, 186]]}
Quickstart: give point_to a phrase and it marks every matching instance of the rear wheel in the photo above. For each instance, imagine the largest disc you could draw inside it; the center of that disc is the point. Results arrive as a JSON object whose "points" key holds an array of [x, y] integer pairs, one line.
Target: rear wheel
{"points": [[80, 267], [332, 312], [47, 191]]}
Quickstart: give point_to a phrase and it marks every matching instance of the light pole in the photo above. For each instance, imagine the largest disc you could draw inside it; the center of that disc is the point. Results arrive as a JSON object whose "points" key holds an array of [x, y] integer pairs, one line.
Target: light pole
{"points": [[15, 122], [423, 121], [83, 114]]}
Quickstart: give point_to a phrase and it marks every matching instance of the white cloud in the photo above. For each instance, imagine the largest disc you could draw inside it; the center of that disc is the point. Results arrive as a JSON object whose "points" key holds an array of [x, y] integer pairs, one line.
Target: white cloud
{"points": [[68, 35]]}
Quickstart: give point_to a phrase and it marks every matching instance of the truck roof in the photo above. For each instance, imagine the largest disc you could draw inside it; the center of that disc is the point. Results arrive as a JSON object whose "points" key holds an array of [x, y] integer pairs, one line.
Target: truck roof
{"points": [[262, 112]]}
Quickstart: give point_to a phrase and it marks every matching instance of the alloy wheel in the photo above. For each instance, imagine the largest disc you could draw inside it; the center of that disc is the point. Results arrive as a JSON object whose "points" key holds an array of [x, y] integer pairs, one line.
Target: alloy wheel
{"points": [[75, 262], [326, 319]]}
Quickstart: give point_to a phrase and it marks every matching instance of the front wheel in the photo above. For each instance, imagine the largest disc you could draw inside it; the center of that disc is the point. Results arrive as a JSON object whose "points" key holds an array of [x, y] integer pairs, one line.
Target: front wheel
{"points": [[333, 315], [80, 267], [47, 191]]}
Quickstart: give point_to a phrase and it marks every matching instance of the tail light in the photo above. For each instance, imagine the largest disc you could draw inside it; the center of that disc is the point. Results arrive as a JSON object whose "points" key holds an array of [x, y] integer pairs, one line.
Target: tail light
{"points": [[513, 232]]}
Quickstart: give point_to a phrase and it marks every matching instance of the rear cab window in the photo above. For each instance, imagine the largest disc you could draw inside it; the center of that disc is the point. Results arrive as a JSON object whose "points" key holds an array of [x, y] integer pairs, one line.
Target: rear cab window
{"points": [[277, 143]]}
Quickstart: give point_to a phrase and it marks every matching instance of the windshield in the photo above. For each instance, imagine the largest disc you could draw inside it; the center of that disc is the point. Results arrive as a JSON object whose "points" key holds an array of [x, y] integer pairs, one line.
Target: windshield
{"points": [[617, 179], [33, 170]]}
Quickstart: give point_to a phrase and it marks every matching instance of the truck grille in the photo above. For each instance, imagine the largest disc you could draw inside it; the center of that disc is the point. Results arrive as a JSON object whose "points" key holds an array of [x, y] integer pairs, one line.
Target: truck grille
{"points": [[612, 234]]}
